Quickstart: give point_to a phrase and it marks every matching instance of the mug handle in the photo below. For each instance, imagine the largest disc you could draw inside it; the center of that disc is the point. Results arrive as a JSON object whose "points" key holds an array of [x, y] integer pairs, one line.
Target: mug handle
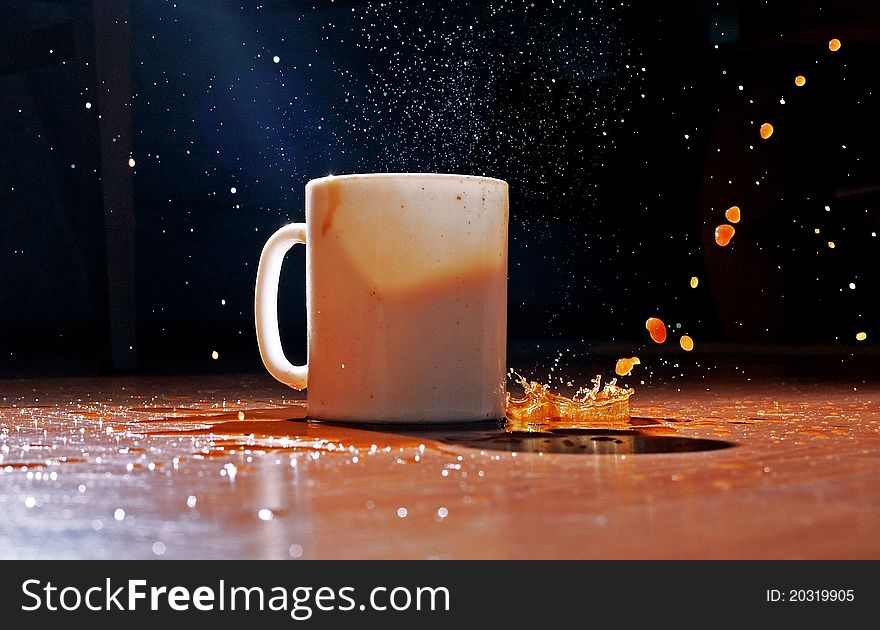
{"points": [[266, 306]]}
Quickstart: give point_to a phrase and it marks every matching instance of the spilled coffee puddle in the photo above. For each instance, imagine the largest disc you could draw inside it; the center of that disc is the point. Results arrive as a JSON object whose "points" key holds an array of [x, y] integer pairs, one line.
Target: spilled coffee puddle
{"points": [[586, 442], [283, 428], [595, 420], [574, 441], [288, 429]]}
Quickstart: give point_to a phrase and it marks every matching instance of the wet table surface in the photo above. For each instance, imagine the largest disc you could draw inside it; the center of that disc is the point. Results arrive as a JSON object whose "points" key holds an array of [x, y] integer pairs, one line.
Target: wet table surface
{"points": [[227, 467]]}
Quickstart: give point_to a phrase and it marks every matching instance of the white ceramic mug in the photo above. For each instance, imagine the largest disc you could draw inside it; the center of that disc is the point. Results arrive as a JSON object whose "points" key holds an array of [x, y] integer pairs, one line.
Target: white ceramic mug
{"points": [[406, 293]]}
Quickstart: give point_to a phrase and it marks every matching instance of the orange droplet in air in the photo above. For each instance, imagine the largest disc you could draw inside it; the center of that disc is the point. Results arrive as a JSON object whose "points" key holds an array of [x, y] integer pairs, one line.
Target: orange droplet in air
{"points": [[657, 329], [766, 131], [694, 282], [800, 80], [732, 214], [723, 234], [861, 336], [625, 366], [687, 344], [834, 45]]}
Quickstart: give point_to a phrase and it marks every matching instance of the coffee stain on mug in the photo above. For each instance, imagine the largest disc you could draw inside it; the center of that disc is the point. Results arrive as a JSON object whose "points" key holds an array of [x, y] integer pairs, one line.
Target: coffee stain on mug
{"points": [[327, 196]]}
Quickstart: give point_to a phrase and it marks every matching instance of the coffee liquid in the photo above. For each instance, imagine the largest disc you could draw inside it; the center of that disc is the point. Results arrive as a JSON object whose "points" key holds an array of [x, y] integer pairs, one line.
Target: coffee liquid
{"points": [[540, 409]]}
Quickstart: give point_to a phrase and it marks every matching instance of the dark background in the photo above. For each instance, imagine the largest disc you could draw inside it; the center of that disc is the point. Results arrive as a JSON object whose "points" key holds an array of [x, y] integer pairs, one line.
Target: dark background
{"points": [[622, 130]]}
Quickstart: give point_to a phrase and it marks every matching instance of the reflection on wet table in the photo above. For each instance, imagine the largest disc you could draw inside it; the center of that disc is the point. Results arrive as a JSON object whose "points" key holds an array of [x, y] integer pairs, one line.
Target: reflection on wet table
{"points": [[230, 467]]}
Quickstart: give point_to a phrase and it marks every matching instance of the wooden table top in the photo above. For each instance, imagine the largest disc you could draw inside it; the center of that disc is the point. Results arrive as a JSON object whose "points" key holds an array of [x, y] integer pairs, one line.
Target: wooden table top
{"points": [[137, 467]]}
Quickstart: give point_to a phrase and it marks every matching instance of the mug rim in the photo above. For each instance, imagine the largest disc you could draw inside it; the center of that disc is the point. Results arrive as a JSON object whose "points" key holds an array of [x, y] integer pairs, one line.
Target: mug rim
{"points": [[447, 176]]}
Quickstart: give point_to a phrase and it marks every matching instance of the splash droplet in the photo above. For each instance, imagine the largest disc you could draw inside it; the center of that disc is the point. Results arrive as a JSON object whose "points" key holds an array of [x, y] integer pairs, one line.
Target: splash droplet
{"points": [[723, 234], [657, 329], [625, 366]]}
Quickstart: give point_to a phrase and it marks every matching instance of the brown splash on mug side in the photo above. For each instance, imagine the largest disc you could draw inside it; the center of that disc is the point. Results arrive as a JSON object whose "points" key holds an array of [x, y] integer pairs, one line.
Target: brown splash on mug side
{"points": [[327, 195]]}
